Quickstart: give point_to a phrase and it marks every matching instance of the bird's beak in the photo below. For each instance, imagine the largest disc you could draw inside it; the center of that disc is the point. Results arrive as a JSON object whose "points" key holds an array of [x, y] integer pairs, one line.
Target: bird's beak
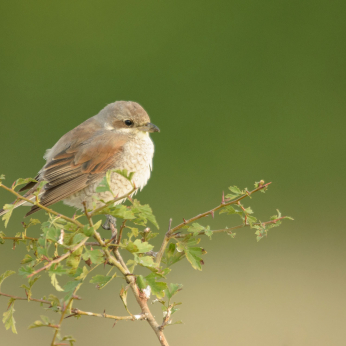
{"points": [[149, 127]]}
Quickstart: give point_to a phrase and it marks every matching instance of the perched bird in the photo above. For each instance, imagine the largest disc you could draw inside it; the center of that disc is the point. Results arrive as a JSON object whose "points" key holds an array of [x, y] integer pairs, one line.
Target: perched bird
{"points": [[116, 138]]}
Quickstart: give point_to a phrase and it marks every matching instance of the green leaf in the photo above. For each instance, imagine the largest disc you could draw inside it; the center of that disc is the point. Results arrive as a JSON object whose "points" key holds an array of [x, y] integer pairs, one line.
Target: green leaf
{"points": [[6, 275], [59, 270], [103, 185], [71, 285], [251, 220], [2, 176], [122, 212], [208, 232], [143, 213], [44, 323], [193, 255], [6, 217], [140, 247], [53, 234], [235, 190], [195, 228], [146, 261], [27, 258], [141, 282], [55, 283], [22, 181], [157, 288], [25, 271], [8, 319], [74, 259], [79, 237], [125, 174], [173, 289], [95, 256], [101, 280], [172, 256]]}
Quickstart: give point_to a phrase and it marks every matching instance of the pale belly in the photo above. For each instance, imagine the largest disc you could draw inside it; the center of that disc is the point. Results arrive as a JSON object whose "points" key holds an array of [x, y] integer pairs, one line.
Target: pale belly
{"points": [[137, 158]]}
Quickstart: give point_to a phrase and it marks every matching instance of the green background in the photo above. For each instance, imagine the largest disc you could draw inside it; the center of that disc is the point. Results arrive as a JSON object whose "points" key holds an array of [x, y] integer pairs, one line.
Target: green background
{"points": [[242, 91]]}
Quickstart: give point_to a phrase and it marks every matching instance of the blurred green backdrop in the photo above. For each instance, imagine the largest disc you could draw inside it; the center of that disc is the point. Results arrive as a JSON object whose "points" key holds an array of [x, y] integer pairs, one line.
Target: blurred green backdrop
{"points": [[242, 91]]}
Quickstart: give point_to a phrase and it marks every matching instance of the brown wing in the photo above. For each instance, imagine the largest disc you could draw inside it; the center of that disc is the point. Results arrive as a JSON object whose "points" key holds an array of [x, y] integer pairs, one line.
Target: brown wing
{"points": [[85, 157]]}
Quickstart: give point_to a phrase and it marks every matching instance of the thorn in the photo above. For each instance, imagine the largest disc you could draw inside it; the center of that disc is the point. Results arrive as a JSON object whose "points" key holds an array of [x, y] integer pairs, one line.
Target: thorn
{"points": [[223, 198], [212, 213], [184, 220], [115, 323]]}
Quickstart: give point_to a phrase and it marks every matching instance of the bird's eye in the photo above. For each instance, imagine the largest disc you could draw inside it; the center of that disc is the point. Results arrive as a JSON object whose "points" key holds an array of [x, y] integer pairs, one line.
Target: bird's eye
{"points": [[128, 122]]}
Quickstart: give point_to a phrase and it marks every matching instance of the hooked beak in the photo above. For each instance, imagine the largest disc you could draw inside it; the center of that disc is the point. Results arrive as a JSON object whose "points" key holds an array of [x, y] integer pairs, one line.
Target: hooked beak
{"points": [[149, 127]]}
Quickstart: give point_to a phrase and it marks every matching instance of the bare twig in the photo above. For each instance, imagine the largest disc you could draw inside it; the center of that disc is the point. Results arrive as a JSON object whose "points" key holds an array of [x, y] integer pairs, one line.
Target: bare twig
{"points": [[77, 312], [121, 232], [25, 298], [226, 230]]}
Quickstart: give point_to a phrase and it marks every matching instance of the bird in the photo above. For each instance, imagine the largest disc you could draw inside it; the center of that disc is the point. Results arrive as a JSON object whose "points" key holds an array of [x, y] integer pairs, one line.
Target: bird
{"points": [[116, 138]]}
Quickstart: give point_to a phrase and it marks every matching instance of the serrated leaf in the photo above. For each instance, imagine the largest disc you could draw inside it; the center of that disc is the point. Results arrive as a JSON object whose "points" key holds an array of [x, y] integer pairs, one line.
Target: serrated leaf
{"points": [[172, 256], [193, 255], [59, 270], [79, 237], [22, 181], [143, 213], [145, 261], [101, 280], [195, 228], [9, 320], [71, 285], [125, 174], [235, 190], [6, 275], [142, 246], [173, 289], [25, 271], [6, 217], [27, 258], [103, 186], [122, 212], [157, 287], [95, 256], [251, 220]]}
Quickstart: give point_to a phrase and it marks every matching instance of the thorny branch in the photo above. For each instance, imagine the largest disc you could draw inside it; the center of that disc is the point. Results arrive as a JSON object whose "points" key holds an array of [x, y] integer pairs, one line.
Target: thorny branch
{"points": [[171, 231], [112, 245]]}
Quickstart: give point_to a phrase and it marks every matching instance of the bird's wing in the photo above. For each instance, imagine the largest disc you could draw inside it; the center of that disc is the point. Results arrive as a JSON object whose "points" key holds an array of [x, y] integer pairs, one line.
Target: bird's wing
{"points": [[80, 158]]}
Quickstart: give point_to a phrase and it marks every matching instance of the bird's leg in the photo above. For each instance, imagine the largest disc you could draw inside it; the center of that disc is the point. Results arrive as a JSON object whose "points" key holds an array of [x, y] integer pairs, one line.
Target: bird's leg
{"points": [[111, 224]]}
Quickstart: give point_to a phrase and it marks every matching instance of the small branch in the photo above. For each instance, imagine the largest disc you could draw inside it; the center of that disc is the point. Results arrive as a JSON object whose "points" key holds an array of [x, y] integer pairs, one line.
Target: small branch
{"points": [[167, 317], [63, 312], [48, 210], [225, 230], [164, 243], [223, 204], [121, 232], [26, 298], [88, 215], [19, 238], [77, 312], [61, 258]]}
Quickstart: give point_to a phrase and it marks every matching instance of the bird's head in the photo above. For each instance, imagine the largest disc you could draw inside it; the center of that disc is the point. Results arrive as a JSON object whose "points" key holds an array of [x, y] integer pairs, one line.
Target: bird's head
{"points": [[126, 117]]}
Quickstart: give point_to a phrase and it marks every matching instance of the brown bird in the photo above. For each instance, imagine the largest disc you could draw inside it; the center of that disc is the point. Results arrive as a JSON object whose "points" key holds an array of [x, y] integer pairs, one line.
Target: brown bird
{"points": [[116, 138]]}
